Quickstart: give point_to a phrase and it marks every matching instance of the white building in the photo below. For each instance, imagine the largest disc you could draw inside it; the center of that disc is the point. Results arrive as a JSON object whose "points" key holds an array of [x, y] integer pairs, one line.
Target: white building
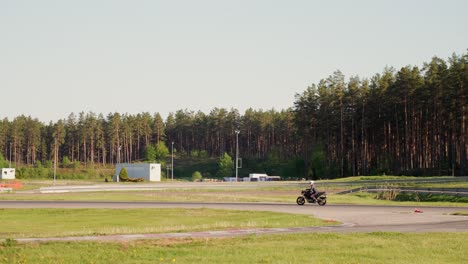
{"points": [[229, 179], [261, 177], [8, 174], [257, 177], [147, 171]]}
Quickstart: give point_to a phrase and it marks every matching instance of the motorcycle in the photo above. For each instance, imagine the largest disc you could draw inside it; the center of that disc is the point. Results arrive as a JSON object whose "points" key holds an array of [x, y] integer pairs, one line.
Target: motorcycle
{"points": [[320, 198]]}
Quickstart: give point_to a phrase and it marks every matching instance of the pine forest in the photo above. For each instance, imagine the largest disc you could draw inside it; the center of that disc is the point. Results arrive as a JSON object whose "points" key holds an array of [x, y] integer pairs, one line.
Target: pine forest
{"points": [[411, 121]]}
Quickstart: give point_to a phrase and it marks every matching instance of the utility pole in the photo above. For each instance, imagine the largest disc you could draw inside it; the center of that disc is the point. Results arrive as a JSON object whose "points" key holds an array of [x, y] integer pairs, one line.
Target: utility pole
{"points": [[237, 154], [55, 162], [11, 143], [118, 161], [172, 162]]}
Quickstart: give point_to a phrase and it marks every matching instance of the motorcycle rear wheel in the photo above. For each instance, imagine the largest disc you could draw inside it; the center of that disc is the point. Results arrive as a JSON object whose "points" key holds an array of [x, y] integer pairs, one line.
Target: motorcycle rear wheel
{"points": [[300, 200], [322, 202]]}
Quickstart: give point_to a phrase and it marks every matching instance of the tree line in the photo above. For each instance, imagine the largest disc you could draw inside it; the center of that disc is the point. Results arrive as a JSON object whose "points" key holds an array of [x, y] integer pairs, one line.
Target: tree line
{"points": [[95, 138], [411, 121]]}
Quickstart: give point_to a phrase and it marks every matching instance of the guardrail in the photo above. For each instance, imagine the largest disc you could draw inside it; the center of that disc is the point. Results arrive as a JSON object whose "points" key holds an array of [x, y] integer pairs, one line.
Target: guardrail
{"points": [[446, 191], [389, 181]]}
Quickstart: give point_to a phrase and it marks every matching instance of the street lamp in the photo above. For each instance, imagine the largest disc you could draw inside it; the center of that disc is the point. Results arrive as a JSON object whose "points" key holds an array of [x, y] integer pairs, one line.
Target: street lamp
{"points": [[55, 158], [118, 161], [118, 155], [237, 154], [10, 153], [172, 162]]}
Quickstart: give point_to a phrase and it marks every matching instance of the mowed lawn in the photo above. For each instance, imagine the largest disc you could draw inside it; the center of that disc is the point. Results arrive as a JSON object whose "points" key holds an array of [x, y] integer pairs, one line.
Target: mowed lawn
{"points": [[17, 223], [272, 196], [298, 248]]}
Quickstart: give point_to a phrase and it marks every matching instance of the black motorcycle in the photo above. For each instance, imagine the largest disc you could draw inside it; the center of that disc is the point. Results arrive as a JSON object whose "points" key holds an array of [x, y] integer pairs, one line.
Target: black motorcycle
{"points": [[320, 198]]}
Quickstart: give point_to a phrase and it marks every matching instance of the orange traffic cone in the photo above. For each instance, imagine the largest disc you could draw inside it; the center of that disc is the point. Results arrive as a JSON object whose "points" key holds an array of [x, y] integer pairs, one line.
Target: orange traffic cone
{"points": [[416, 210]]}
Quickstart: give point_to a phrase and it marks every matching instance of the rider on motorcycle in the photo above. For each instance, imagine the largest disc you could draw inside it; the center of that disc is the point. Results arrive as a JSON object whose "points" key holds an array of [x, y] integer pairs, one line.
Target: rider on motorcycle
{"points": [[313, 190], [312, 195]]}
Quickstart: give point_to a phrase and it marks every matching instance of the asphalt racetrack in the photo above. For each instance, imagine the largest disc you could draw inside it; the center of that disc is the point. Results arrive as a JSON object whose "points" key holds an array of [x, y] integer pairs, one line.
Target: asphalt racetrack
{"points": [[354, 218]]}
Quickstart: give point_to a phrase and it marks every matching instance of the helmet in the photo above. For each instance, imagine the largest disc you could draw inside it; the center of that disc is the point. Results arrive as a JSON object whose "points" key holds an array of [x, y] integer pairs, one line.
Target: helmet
{"points": [[312, 182]]}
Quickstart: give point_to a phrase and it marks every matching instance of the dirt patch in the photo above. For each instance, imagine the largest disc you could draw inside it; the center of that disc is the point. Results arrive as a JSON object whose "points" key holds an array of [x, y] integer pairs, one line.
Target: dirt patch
{"points": [[168, 242]]}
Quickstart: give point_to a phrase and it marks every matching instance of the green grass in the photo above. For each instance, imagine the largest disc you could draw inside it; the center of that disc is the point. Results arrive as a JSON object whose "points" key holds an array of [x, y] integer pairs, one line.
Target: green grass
{"points": [[273, 196], [369, 198], [361, 181], [16, 223], [461, 213], [244, 192], [371, 178], [442, 185], [372, 248], [342, 183], [161, 196], [431, 198]]}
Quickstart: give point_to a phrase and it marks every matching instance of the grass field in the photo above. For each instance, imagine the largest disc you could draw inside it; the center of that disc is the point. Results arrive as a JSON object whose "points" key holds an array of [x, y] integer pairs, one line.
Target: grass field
{"points": [[461, 213], [17, 223], [369, 198], [371, 178], [248, 195], [297, 248], [379, 247], [284, 192], [442, 185], [164, 196]]}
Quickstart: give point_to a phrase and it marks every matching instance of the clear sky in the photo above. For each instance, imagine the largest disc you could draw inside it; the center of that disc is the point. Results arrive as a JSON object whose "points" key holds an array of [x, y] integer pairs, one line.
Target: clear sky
{"points": [[64, 56]]}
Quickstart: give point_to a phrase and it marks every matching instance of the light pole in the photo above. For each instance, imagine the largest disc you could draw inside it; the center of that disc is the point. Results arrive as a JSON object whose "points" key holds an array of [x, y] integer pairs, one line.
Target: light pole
{"points": [[55, 158], [237, 154], [118, 161], [10, 153], [172, 162]]}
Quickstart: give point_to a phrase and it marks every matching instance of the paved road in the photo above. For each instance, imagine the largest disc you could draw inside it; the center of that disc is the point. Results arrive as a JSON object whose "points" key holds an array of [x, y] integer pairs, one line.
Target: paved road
{"points": [[355, 218]]}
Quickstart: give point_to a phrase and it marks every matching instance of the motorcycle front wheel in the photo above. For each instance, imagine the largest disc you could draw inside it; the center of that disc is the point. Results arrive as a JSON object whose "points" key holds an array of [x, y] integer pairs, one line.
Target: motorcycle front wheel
{"points": [[300, 200], [322, 202]]}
